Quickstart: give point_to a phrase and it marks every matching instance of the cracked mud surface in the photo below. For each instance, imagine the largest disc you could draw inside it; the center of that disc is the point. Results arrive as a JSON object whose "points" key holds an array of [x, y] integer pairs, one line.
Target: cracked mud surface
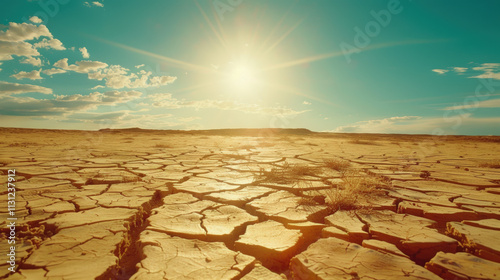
{"points": [[131, 204]]}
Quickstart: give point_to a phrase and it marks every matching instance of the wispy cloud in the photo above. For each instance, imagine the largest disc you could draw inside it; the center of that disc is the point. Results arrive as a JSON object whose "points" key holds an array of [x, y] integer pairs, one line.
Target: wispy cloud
{"points": [[62, 105], [50, 44], [489, 71], [118, 77], [35, 61], [448, 124], [53, 71], [93, 4], [14, 88], [440, 71], [33, 75], [387, 125], [85, 66], [491, 103], [460, 69], [168, 101]]}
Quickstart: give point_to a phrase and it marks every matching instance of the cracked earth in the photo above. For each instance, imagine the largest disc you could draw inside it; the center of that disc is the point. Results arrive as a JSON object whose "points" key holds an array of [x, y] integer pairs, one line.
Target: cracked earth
{"points": [[133, 204]]}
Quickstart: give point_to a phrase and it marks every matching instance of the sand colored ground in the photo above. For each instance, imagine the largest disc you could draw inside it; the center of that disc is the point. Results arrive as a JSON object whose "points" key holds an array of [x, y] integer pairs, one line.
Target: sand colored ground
{"points": [[250, 204]]}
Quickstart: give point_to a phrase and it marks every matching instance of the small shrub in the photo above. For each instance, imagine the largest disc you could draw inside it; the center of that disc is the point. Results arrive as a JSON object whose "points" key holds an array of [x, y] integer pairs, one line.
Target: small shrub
{"points": [[362, 142], [287, 174], [337, 164], [356, 187], [490, 164], [159, 145], [425, 174]]}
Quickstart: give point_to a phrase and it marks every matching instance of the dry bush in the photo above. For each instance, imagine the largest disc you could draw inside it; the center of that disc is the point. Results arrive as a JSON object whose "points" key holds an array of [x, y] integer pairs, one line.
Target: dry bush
{"points": [[337, 164], [24, 144], [287, 173], [357, 187], [310, 144], [490, 164], [159, 145], [362, 142]]}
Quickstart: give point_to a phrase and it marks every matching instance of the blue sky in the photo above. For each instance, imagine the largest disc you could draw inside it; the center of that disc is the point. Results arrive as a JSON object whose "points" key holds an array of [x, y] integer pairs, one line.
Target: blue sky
{"points": [[428, 67]]}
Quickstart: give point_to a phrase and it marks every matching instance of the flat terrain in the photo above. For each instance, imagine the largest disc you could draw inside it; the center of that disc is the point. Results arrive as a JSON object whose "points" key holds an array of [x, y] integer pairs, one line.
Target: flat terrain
{"points": [[250, 204]]}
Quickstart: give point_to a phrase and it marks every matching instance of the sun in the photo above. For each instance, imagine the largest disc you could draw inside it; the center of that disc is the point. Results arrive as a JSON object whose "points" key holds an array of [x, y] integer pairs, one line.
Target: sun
{"points": [[238, 77], [241, 75]]}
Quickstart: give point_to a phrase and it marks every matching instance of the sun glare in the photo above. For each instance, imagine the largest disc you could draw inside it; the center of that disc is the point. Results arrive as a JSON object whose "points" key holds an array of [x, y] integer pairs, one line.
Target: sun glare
{"points": [[241, 76]]}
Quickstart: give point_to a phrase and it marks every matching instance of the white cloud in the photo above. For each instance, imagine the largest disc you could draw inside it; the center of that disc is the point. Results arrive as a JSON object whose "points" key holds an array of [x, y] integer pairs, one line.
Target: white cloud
{"points": [[120, 96], [85, 66], [98, 86], [460, 69], [139, 66], [62, 105], [488, 70], [53, 71], [50, 44], [8, 49], [98, 117], [13, 88], [33, 75], [1, 65], [449, 124], [306, 103], [387, 125], [127, 118], [35, 19], [491, 103], [169, 102], [161, 80], [488, 75], [487, 67], [33, 61], [93, 4], [13, 40], [118, 77], [440, 71], [18, 32], [84, 52]]}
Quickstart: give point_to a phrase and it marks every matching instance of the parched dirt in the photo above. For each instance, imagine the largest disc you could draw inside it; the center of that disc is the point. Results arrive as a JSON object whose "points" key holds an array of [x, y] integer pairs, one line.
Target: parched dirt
{"points": [[249, 204]]}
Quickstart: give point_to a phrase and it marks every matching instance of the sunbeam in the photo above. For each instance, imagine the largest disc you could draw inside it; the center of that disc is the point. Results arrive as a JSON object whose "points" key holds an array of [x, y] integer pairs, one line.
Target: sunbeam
{"points": [[344, 53]]}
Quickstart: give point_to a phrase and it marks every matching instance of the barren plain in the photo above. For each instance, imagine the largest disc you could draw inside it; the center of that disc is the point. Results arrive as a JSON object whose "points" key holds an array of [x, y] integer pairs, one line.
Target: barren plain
{"points": [[249, 204]]}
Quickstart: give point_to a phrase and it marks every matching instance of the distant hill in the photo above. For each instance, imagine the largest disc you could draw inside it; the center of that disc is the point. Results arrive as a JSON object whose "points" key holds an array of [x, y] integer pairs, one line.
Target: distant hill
{"points": [[224, 132]]}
